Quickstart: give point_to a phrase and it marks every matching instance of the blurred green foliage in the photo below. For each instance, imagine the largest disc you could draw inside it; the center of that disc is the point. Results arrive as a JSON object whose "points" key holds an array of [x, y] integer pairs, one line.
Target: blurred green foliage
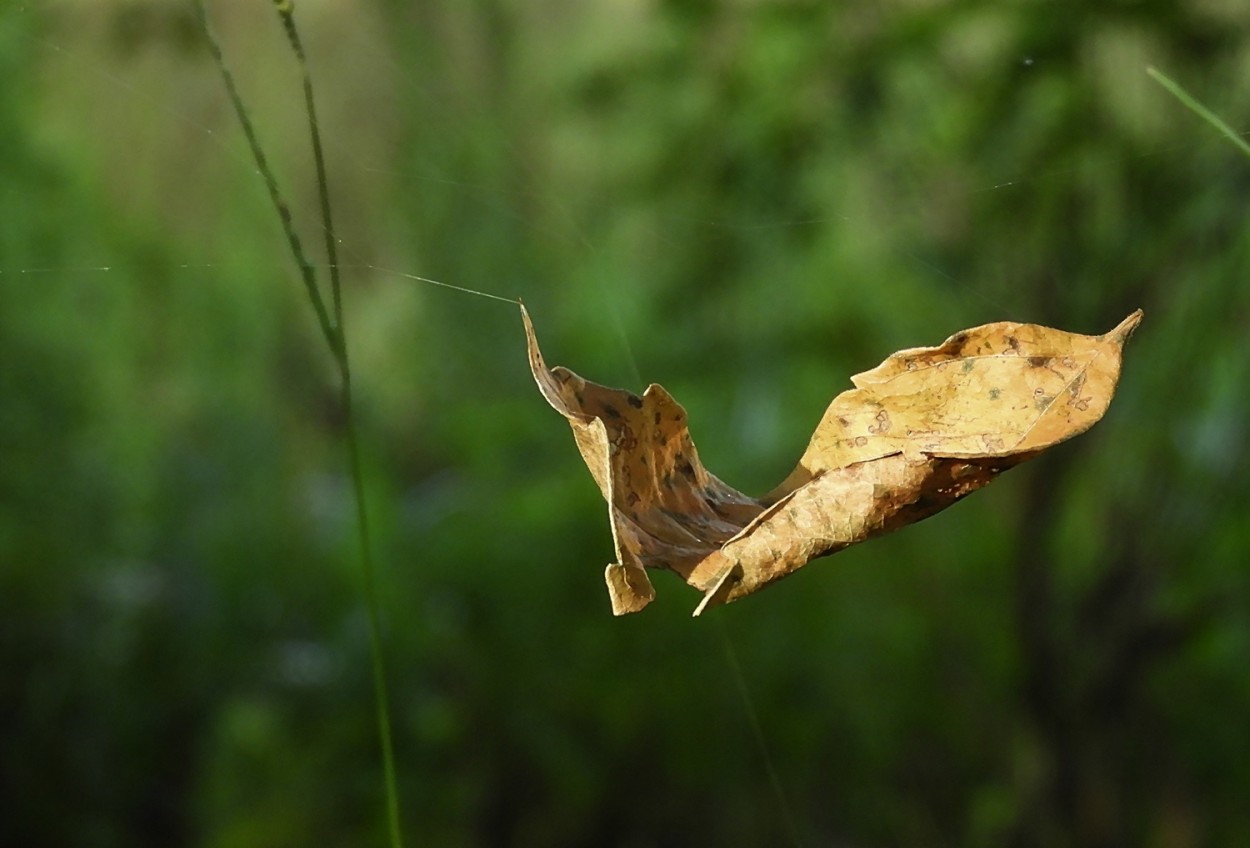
{"points": [[745, 201]]}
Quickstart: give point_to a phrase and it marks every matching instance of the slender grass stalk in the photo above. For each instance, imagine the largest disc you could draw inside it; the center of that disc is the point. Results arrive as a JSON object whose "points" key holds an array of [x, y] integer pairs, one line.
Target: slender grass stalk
{"points": [[1197, 108], [286, 10], [262, 164], [334, 330]]}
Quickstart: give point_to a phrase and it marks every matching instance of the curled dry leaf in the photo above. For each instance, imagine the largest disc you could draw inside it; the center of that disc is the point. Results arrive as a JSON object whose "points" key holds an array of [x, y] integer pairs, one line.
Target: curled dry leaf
{"points": [[917, 433]]}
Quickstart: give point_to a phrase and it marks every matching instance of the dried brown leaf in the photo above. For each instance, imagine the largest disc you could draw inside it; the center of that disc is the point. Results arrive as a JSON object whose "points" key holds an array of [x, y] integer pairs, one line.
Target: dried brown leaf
{"points": [[916, 434]]}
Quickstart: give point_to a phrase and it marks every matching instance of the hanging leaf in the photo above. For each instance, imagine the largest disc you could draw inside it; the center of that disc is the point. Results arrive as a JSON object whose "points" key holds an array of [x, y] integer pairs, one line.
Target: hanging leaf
{"points": [[917, 433]]}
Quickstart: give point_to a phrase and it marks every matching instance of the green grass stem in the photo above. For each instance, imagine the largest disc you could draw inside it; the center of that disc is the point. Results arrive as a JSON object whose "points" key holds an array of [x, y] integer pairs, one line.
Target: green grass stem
{"points": [[1197, 108], [334, 330]]}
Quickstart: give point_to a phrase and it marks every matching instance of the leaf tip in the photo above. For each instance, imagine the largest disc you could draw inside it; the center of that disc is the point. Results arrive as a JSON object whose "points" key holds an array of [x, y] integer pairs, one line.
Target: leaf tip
{"points": [[629, 588], [718, 593], [1126, 327]]}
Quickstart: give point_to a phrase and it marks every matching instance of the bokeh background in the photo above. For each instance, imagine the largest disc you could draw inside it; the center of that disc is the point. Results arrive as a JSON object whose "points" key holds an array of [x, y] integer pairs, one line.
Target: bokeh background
{"points": [[744, 201]]}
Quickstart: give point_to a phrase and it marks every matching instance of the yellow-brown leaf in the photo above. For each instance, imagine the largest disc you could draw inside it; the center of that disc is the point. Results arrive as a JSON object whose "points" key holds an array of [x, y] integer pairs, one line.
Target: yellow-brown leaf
{"points": [[918, 432]]}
